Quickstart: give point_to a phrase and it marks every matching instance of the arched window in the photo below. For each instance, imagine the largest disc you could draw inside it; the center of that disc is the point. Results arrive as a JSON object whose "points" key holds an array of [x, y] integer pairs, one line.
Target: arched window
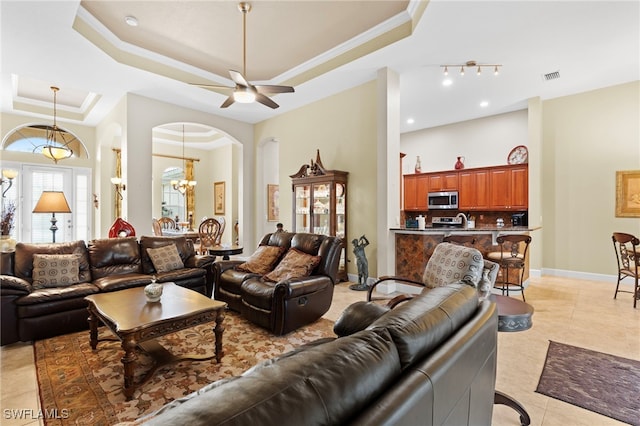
{"points": [[33, 137]]}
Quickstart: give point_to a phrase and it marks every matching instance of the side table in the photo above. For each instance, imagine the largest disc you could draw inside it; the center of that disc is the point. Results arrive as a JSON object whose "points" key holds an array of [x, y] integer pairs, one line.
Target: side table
{"points": [[513, 315], [225, 251]]}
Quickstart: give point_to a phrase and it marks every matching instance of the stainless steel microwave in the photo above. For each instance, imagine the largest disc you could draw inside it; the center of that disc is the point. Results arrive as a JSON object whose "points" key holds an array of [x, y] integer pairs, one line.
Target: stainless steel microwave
{"points": [[442, 200]]}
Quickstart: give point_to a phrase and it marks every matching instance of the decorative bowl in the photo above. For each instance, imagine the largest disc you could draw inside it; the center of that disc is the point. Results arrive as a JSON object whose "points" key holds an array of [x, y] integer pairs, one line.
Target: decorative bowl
{"points": [[153, 292]]}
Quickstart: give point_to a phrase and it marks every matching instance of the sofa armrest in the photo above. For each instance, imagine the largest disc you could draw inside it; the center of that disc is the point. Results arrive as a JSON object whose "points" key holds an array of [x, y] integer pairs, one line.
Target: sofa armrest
{"points": [[200, 261], [382, 279], [14, 285], [301, 286], [222, 265]]}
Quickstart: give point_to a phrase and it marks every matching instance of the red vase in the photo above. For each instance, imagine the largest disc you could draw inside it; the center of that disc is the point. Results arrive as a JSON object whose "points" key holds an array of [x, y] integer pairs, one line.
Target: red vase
{"points": [[459, 164]]}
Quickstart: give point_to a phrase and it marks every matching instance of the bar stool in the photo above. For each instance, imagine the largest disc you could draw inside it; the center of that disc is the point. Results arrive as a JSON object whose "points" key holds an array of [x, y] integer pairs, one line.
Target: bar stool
{"points": [[512, 256], [627, 249]]}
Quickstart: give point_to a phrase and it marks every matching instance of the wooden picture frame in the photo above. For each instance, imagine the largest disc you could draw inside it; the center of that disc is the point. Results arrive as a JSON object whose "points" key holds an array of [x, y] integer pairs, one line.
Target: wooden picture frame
{"points": [[273, 203], [218, 197], [628, 193]]}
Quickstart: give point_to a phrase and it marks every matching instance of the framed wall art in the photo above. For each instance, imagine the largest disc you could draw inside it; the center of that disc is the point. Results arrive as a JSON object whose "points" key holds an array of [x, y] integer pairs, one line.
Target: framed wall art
{"points": [[218, 198], [273, 203], [628, 193]]}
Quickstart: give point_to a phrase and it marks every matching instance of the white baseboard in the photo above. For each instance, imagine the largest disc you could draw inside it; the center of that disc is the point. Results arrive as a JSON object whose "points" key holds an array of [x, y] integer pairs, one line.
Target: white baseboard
{"points": [[589, 276]]}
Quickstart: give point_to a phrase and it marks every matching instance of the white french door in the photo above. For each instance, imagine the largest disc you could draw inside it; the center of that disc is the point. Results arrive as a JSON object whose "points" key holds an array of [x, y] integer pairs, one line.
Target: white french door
{"points": [[75, 184]]}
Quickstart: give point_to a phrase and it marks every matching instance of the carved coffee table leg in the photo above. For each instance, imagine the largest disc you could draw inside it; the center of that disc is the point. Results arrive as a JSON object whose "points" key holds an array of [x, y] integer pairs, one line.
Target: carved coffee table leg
{"points": [[93, 329], [217, 331], [129, 362]]}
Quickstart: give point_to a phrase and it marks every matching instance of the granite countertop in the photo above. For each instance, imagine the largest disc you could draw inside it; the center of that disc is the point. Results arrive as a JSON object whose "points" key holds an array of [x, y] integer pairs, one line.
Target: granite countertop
{"points": [[478, 228]]}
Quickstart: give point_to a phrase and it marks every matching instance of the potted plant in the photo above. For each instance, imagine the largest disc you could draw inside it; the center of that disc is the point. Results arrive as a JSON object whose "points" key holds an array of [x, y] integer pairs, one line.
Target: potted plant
{"points": [[6, 225]]}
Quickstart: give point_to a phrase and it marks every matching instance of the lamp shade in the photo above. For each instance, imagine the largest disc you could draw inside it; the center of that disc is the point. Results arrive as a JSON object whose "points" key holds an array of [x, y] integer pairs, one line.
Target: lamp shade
{"points": [[52, 202]]}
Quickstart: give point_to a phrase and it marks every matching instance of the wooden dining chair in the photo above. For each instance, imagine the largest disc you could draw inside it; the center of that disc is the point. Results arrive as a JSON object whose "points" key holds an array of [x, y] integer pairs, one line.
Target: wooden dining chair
{"points": [[627, 248], [208, 232], [223, 223], [157, 228], [167, 223]]}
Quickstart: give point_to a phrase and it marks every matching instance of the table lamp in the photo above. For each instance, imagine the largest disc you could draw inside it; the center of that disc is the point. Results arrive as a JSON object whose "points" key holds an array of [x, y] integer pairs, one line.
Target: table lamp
{"points": [[52, 202]]}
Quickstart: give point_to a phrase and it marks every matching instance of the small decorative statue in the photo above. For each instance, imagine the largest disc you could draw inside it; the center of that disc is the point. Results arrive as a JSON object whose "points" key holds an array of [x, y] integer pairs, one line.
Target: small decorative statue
{"points": [[362, 263]]}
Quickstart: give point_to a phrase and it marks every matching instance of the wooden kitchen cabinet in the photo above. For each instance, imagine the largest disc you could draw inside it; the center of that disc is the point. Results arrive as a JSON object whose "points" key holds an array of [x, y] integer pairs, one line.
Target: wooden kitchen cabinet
{"points": [[415, 191], [473, 188], [447, 181], [497, 188], [509, 188]]}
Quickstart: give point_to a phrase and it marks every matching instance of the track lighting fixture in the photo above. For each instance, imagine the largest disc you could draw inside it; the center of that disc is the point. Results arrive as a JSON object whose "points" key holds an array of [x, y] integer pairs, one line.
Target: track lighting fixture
{"points": [[471, 64]]}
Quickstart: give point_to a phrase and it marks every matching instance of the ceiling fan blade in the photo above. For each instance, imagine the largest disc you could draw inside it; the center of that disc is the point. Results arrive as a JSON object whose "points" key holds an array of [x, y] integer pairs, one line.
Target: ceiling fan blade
{"points": [[269, 89], [265, 100], [228, 102], [238, 78], [212, 87]]}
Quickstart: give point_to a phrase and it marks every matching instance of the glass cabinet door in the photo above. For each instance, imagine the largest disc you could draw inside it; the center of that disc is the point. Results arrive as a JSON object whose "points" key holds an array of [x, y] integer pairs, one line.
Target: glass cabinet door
{"points": [[303, 202], [341, 210], [321, 209]]}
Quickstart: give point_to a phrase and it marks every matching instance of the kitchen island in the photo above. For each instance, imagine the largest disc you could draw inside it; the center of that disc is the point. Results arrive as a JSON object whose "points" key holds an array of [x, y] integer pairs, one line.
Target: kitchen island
{"points": [[415, 246]]}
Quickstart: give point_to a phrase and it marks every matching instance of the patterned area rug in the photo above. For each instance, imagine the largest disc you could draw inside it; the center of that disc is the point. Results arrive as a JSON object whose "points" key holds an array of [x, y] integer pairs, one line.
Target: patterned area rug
{"points": [[85, 386], [599, 382]]}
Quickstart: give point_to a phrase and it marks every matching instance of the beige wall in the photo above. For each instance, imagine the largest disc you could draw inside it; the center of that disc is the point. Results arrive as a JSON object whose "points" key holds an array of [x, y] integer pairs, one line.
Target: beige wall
{"points": [[483, 142], [586, 138], [343, 128]]}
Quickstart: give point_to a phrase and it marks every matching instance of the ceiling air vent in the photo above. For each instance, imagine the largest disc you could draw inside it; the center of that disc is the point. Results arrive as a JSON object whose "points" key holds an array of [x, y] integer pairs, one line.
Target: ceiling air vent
{"points": [[551, 76]]}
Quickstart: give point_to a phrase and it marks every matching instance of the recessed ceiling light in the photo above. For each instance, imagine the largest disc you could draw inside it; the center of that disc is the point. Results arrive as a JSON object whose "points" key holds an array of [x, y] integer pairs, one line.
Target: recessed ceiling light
{"points": [[484, 104], [410, 121], [132, 21], [447, 82]]}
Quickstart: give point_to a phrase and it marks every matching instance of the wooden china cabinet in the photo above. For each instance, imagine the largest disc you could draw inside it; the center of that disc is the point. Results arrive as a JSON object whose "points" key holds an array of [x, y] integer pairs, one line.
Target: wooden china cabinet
{"points": [[320, 203]]}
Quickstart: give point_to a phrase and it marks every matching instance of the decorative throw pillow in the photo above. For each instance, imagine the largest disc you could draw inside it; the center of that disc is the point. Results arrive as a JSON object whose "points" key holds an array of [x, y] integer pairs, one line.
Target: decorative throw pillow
{"points": [[296, 264], [165, 258], [55, 270], [262, 260]]}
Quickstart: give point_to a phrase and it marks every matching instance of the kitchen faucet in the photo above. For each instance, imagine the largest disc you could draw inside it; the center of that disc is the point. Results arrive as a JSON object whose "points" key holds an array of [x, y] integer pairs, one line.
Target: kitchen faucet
{"points": [[464, 219]]}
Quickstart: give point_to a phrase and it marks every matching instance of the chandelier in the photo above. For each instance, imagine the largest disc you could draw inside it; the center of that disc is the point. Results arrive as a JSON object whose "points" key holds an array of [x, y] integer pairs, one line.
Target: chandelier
{"points": [[471, 65], [183, 184], [54, 149]]}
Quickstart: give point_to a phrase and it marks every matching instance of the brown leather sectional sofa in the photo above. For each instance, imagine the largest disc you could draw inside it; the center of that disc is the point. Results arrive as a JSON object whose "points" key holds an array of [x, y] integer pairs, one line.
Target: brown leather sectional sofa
{"points": [[106, 265], [429, 361], [289, 304]]}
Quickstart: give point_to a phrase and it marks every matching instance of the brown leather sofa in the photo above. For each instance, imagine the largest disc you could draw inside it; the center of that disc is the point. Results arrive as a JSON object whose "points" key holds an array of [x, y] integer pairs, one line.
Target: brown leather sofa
{"points": [[429, 361], [287, 305], [105, 265]]}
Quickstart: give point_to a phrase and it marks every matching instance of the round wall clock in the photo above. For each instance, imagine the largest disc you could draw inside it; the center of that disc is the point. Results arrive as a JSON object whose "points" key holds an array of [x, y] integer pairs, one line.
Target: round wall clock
{"points": [[518, 155]]}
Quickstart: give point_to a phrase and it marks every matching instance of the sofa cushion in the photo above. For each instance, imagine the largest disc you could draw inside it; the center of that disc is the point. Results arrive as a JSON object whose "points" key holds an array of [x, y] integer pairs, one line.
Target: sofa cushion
{"points": [[55, 270], [452, 262], [114, 256], [295, 264], [358, 316], [422, 324], [185, 249], [23, 257], [262, 260], [325, 384], [165, 258]]}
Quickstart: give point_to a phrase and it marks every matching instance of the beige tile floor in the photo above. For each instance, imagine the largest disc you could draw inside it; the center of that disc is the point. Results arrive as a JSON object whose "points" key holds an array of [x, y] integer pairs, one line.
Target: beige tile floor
{"points": [[580, 313]]}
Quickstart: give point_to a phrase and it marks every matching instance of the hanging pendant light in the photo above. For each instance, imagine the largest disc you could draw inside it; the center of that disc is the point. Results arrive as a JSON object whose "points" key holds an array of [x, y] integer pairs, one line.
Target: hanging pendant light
{"points": [[183, 184], [54, 149]]}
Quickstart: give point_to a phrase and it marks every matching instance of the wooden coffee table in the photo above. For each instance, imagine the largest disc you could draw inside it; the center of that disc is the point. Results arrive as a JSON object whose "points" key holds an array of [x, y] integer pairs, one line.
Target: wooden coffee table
{"points": [[137, 323]]}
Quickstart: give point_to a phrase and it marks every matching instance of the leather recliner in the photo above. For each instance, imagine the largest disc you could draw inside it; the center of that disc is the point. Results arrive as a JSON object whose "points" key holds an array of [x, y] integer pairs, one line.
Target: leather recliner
{"points": [[287, 305]]}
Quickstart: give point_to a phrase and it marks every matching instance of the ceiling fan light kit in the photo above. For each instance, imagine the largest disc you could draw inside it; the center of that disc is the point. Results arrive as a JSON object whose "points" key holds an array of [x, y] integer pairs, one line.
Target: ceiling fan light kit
{"points": [[471, 64], [244, 92]]}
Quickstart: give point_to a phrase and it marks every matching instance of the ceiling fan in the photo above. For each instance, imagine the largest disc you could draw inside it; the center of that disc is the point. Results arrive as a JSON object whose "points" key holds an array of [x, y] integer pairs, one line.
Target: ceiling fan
{"points": [[245, 92]]}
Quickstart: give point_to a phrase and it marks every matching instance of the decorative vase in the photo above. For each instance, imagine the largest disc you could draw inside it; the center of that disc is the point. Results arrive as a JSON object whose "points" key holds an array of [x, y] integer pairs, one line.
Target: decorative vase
{"points": [[7, 243], [418, 168], [459, 164], [484, 286], [153, 291]]}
